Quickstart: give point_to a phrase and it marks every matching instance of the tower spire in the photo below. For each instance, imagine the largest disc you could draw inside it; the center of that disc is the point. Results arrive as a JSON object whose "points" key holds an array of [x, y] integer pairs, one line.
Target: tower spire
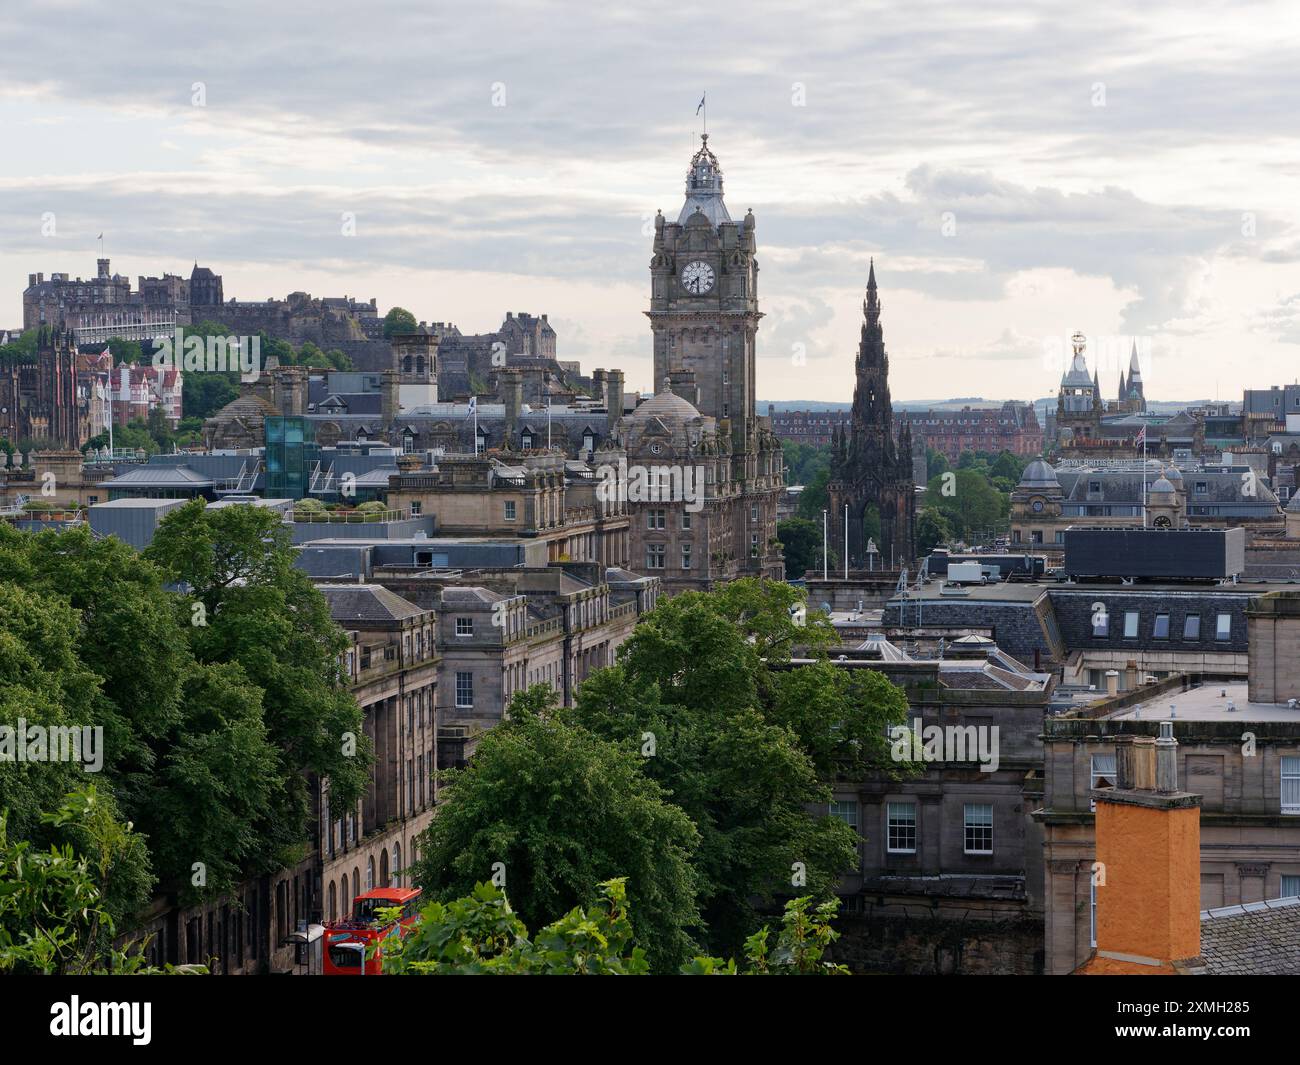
{"points": [[871, 306]]}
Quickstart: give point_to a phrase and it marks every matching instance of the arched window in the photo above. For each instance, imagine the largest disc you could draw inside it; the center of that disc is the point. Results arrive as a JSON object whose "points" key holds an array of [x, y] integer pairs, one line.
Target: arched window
{"points": [[334, 901], [383, 868], [397, 863], [343, 896], [356, 883], [419, 365], [370, 873], [406, 364]]}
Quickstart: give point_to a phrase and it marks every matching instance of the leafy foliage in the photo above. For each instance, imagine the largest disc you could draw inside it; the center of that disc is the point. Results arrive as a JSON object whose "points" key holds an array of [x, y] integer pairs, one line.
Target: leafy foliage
{"points": [[744, 744], [54, 913], [266, 617], [481, 935], [399, 320], [800, 949], [561, 809]]}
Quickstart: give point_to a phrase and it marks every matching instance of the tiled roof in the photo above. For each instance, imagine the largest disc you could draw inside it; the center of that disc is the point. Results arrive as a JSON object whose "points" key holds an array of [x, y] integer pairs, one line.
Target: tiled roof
{"points": [[1256, 939], [366, 602]]}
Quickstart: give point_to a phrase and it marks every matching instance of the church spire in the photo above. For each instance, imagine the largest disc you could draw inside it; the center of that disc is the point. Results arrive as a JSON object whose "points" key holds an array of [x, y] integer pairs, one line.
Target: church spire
{"points": [[871, 305]]}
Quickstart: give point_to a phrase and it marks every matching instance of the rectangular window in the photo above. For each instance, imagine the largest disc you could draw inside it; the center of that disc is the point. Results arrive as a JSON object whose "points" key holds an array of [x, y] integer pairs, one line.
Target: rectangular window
{"points": [[464, 691], [1290, 784], [686, 556], [464, 626], [847, 812], [753, 545], [979, 827], [510, 510], [900, 835], [686, 519], [416, 508], [654, 556], [654, 519], [1160, 631], [1101, 623], [1103, 774], [1131, 624], [1223, 627], [1290, 887], [753, 512], [1192, 627]]}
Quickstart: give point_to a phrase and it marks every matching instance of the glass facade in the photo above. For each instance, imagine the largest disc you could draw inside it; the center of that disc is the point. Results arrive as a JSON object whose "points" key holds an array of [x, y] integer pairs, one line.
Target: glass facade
{"points": [[291, 452]]}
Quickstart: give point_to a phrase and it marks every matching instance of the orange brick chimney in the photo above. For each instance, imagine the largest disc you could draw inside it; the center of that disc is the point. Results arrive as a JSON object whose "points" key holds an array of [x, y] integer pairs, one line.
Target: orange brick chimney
{"points": [[1149, 855]]}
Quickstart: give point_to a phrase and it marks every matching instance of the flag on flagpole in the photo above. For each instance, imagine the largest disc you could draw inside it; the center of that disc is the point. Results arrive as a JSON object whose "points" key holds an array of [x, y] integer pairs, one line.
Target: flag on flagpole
{"points": [[697, 110], [473, 407], [1142, 436]]}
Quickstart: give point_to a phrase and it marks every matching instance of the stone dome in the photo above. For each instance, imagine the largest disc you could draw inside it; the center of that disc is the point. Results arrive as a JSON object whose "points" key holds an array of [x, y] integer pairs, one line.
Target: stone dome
{"points": [[1174, 476], [666, 406], [1161, 484], [1038, 474]]}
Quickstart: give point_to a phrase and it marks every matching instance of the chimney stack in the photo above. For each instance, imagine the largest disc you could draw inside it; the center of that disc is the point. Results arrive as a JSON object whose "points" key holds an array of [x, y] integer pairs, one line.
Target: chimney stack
{"points": [[388, 404], [614, 399], [1148, 871]]}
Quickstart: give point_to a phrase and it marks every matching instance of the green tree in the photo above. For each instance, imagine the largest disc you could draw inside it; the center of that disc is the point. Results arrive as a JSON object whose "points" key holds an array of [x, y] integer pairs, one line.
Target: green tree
{"points": [[399, 320], [259, 612], [55, 912], [561, 810], [806, 934], [936, 462], [743, 746], [186, 751], [932, 529], [801, 541], [481, 935], [814, 498], [970, 503]]}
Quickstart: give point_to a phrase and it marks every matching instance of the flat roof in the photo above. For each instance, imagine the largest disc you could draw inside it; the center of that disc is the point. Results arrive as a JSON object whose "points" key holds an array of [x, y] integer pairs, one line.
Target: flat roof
{"points": [[1207, 703], [138, 503], [1029, 591]]}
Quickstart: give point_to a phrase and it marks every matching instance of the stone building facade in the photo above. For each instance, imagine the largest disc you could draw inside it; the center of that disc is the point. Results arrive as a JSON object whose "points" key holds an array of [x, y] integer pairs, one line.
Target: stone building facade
{"points": [[392, 670]]}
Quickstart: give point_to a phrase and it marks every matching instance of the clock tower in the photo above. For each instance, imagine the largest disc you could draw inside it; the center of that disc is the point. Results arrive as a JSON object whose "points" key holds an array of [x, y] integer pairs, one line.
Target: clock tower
{"points": [[704, 303]]}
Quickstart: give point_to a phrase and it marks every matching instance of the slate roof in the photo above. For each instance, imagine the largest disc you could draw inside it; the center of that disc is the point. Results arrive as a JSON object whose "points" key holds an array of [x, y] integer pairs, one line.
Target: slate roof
{"points": [[158, 476], [366, 602], [1256, 939]]}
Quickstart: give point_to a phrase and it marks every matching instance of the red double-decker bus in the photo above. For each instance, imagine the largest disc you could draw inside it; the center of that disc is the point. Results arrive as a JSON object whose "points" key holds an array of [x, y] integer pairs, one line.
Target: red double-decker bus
{"points": [[348, 941]]}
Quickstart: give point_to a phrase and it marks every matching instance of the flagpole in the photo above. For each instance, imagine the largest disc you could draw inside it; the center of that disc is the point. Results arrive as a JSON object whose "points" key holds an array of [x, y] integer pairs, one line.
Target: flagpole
{"points": [[825, 544], [548, 421], [474, 401]]}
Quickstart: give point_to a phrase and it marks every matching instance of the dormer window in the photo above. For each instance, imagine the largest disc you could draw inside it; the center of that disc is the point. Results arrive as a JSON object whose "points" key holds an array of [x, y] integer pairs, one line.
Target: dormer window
{"points": [[526, 441]]}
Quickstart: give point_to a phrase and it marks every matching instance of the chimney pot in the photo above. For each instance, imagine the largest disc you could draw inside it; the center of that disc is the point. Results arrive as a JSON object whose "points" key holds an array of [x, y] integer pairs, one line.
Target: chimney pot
{"points": [[1166, 759]]}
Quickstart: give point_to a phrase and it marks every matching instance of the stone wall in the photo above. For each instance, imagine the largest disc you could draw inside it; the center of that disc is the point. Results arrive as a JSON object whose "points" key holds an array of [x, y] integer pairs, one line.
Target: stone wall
{"points": [[927, 945]]}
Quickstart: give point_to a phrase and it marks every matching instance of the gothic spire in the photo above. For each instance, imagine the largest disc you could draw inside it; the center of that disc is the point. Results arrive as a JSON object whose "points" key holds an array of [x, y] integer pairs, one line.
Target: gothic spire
{"points": [[871, 306]]}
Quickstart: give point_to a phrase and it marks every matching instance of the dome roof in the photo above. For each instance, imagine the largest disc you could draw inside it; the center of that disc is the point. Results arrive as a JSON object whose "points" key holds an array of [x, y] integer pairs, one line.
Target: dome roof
{"points": [[1038, 474], [1174, 475], [667, 406], [1162, 485]]}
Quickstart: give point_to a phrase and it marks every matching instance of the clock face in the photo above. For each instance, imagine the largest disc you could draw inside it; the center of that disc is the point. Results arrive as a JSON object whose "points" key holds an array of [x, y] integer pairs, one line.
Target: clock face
{"points": [[697, 278], [1038, 505]]}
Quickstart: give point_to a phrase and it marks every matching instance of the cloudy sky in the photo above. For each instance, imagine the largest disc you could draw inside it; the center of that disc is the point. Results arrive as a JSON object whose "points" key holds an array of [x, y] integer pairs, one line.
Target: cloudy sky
{"points": [[1019, 171]]}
